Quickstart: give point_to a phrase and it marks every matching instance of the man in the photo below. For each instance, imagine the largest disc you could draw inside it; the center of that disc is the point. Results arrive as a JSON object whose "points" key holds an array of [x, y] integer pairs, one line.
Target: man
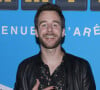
{"points": [[53, 68]]}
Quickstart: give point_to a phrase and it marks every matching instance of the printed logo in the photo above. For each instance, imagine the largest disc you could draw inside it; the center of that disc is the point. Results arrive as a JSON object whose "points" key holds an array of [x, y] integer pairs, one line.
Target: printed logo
{"points": [[8, 4], [2, 87], [33, 4], [80, 5], [95, 5], [72, 4]]}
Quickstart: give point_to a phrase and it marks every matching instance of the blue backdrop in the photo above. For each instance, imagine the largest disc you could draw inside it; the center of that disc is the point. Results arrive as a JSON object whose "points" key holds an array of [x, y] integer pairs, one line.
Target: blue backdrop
{"points": [[17, 40]]}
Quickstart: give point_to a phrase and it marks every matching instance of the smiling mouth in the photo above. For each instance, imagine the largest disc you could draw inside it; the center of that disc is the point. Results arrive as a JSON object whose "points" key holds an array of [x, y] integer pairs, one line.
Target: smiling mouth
{"points": [[50, 36]]}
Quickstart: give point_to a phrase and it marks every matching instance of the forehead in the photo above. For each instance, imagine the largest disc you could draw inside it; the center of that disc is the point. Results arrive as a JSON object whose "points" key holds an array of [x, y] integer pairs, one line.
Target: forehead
{"points": [[49, 15]]}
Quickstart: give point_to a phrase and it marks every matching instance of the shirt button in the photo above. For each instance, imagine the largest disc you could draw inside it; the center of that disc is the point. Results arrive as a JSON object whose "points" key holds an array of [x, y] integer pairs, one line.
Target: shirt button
{"points": [[49, 79], [41, 77], [48, 83]]}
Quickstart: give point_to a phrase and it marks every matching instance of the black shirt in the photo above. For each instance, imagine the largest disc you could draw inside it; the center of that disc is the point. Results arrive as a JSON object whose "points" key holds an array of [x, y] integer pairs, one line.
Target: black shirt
{"points": [[56, 79], [73, 74]]}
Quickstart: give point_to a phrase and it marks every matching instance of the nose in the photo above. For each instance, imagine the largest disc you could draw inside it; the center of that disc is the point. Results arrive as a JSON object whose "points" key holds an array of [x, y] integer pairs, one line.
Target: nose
{"points": [[50, 28]]}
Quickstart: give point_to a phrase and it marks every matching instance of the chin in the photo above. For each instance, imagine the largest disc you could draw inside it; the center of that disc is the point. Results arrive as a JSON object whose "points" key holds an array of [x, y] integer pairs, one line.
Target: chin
{"points": [[50, 46]]}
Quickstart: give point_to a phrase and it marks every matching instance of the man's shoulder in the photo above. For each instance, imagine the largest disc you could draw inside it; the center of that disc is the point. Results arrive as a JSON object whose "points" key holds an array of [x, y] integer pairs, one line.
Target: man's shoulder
{"points": [[75, 59], [30, 60]]}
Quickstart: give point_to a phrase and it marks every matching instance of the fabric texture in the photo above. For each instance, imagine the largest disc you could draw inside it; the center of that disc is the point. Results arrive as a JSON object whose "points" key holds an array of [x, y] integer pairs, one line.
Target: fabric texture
{"points": [[56, 79], [78, 74]]}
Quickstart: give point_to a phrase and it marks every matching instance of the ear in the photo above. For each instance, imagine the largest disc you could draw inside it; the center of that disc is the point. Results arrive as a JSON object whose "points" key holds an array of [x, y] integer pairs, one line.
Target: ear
{"points": [[36, 33], [63, 32]]}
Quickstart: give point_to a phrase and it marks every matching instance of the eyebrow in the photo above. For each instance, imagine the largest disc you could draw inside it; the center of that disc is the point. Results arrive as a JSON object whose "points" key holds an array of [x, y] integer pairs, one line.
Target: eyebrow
{"points": [[53, 21], [57, 22], [42, 22]]}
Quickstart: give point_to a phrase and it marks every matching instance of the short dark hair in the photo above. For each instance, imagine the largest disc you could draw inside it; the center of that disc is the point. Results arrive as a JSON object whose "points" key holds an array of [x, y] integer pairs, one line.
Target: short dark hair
{"points": [[49, 7]]}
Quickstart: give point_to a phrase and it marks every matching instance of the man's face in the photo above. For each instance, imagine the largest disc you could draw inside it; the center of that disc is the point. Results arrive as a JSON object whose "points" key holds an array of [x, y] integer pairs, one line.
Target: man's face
{"points": [[49, 30]]}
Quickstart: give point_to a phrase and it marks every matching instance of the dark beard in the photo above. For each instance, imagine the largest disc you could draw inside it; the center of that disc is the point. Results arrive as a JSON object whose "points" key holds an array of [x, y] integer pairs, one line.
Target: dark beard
{"points": [[48, 47]]}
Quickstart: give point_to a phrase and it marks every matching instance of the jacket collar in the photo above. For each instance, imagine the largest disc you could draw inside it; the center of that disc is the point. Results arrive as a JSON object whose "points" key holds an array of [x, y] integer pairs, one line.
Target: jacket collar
{"points": [[39, 59]]}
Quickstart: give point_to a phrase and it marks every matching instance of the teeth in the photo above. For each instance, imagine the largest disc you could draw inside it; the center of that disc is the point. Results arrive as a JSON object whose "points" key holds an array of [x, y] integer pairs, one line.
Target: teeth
{"points": [[50, 36]]}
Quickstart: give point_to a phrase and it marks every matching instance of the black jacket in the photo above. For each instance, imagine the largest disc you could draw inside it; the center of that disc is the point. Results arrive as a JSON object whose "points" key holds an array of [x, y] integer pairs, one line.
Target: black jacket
{"points": [[78, 73]]}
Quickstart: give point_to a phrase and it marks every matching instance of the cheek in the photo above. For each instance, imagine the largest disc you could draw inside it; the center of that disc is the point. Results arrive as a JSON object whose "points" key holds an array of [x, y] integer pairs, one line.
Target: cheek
{"points": [[58, 32], [42, 30], [41, 33]]}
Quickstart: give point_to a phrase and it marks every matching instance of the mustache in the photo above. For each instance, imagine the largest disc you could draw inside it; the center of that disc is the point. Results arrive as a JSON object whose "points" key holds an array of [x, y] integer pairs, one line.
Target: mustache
{"points": [[51, 34]]}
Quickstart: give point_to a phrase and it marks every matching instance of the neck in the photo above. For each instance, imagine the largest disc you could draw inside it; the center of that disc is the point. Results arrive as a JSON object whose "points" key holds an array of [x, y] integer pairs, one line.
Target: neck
{"points": [[52, 56]]}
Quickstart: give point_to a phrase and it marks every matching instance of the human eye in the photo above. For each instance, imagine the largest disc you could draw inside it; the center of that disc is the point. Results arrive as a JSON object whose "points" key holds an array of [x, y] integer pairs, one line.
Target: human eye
{"points": [[43, 25], [55, 25]]}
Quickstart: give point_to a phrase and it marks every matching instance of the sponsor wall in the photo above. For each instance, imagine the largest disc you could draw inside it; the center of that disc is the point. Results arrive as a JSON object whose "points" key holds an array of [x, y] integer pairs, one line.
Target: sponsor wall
{"points": [[17, 36]]}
